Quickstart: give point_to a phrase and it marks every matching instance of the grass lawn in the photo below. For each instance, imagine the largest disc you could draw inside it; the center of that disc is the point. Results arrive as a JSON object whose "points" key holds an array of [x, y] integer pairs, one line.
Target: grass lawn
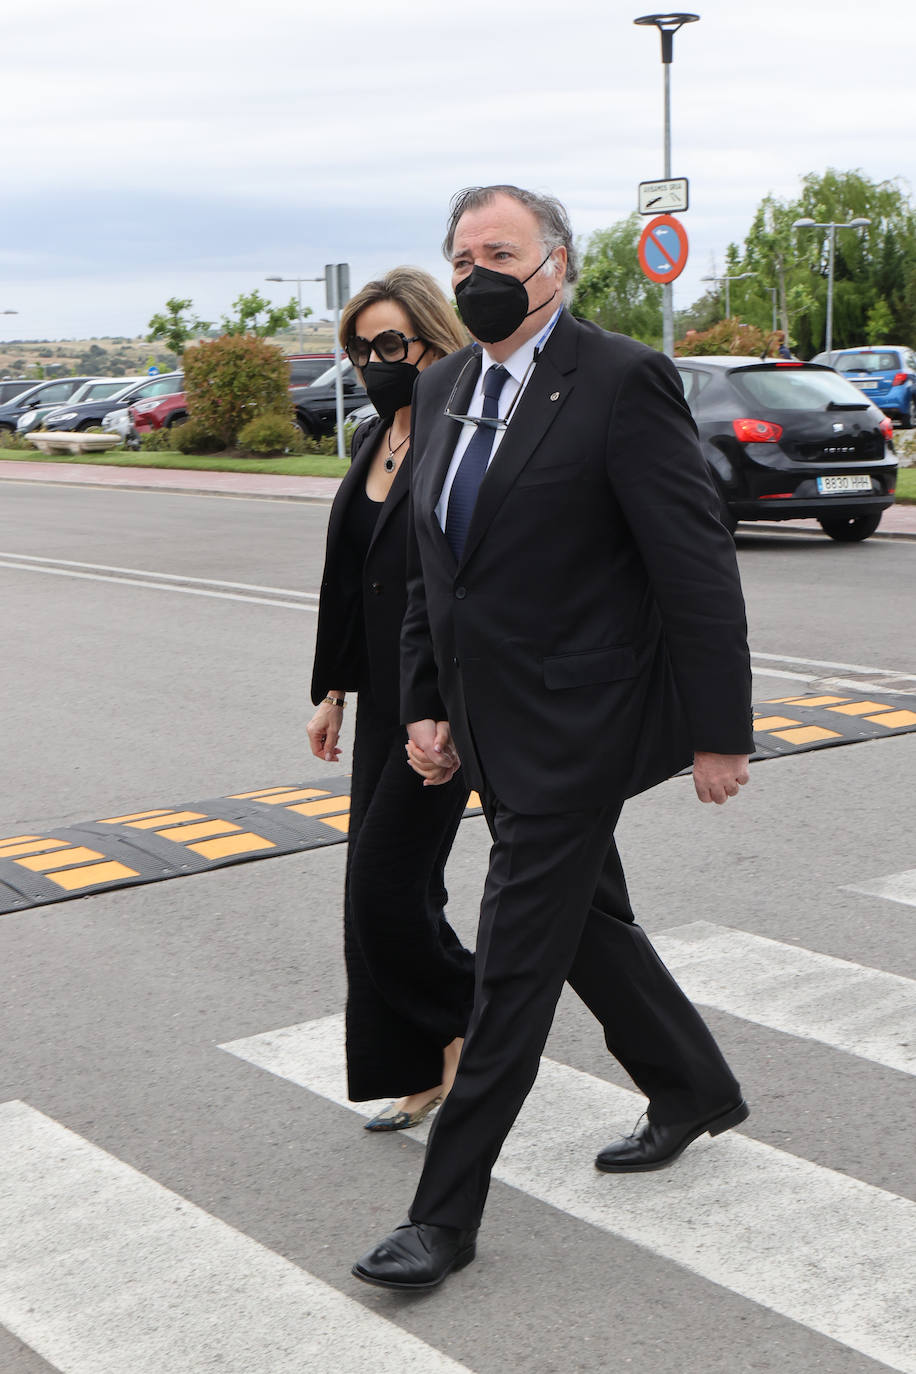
{"points": [[906, 485], [303, 465]]}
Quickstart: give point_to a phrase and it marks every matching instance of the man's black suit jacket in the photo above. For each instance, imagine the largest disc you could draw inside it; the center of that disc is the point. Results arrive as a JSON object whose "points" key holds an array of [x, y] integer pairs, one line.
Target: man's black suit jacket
{"points": [[593, 635], [362, 604]]}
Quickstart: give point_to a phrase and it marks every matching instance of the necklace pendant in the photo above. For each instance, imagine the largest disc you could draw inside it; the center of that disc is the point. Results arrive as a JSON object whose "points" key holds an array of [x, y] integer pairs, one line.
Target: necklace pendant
{"points": [[389, 465]]}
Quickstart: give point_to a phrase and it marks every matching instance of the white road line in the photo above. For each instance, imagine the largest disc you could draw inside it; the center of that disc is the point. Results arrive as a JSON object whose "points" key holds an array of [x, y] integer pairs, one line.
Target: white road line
{"points": [[161, 586], [818, 1247], [826, 663], [103, 1271], [897, 887], [862, 1011], [158, 576]]}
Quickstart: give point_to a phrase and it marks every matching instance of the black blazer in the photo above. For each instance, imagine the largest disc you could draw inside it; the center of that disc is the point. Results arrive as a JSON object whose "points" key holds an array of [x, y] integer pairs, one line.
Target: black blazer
{"points": [[593, 635], [360, 610]]}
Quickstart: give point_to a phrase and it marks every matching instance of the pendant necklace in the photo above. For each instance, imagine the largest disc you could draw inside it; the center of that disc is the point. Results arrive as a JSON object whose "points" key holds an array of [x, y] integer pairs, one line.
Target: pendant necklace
{"points": [[389, 461]]}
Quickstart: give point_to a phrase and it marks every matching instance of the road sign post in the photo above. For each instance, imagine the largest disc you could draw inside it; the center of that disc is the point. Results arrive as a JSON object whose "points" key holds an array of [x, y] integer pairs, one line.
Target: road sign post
{"points": [[337, 288]]}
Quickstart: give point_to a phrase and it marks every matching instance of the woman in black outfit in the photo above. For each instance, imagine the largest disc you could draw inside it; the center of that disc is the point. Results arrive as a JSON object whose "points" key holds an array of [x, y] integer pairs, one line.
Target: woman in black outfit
{"points": [[410, 980]]}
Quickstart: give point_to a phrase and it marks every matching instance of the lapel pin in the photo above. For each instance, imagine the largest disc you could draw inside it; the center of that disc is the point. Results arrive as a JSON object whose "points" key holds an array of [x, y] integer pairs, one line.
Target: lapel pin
{"points": [[554, 395]]}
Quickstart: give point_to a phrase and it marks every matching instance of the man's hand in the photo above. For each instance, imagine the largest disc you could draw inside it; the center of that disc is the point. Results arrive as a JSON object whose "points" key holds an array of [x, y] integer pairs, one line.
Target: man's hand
{"points": [[718, 776], [431, 752]]}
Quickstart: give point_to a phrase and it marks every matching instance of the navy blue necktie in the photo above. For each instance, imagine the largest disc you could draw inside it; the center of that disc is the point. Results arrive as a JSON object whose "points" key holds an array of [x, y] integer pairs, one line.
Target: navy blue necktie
{"points": [[463, 495]]}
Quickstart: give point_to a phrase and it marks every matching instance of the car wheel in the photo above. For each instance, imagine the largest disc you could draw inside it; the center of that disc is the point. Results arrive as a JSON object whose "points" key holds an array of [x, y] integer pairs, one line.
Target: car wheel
{"points": [[177, 420], [310, 431], [87, 424], [849, 529], [908, 420]]}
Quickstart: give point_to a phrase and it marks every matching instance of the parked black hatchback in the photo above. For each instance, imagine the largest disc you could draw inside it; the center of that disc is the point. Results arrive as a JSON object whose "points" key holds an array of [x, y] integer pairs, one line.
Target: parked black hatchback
{"points": [[787, 440]]}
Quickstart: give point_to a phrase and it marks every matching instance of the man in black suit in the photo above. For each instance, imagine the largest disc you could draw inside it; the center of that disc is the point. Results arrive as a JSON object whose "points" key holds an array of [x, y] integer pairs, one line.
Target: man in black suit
{"points": [[575, 632]]}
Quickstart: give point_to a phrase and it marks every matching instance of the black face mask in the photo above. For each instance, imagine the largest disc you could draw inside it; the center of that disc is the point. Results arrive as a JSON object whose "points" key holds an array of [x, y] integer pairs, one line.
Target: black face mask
{"points": [[494, 304], [390, 385]]}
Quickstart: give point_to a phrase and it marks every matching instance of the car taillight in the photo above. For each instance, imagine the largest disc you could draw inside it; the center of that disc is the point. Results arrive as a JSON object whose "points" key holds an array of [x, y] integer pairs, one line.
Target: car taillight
{"points": [[887, 427], [757, 431], [899, 379]]}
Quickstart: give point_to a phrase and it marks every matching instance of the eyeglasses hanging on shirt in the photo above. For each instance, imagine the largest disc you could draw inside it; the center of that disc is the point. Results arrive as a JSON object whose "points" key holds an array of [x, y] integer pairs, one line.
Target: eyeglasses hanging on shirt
{"points": [[488, 421]]}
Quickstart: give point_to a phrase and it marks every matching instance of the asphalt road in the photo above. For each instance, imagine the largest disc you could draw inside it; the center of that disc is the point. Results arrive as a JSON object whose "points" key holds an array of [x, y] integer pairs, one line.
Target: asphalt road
{"points": [[168, 1203]]}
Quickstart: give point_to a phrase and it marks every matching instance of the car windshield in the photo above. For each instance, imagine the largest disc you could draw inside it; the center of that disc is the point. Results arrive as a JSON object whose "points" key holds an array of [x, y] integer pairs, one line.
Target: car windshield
{"points": [[791, 388], [867, 361], [326, 378], [97, 391]]}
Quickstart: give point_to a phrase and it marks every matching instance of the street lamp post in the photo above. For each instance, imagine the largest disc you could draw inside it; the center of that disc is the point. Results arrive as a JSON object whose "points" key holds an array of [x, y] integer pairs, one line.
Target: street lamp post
{"points": [[298, 281], [832, 226], [728, 280], [667, 25], [772, 291]]}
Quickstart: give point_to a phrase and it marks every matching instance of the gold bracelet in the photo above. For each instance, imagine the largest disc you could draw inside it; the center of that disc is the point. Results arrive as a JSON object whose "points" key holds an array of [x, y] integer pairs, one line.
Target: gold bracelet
{"points": [[336, 701]]}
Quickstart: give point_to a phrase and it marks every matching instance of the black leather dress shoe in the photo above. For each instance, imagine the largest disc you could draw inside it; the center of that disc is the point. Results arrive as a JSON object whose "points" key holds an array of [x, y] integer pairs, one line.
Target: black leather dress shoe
{"points": [[653, 1145], [417, 1256]]}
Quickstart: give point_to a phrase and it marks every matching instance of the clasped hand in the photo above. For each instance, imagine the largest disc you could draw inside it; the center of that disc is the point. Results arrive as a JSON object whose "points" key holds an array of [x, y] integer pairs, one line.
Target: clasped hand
{"points": [[431, 751], [717, 777]]}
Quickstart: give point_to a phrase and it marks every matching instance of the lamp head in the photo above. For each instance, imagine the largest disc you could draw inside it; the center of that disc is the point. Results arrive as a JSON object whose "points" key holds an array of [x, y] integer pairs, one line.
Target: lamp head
{"points": [[806, 223]]}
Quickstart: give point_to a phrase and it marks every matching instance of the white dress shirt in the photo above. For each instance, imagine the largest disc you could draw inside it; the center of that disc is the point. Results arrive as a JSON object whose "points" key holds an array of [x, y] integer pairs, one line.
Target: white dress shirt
{"points": [[517, 366]]}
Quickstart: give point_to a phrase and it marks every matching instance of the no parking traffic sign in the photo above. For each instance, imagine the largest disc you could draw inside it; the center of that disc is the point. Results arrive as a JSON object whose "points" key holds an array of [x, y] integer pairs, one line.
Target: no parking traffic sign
{"points": [[663, 248]]}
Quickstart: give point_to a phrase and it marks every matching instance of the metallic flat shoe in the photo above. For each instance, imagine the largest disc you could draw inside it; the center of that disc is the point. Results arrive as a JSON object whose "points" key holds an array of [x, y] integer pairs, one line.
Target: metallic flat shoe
{"points": [[393, 1120]]}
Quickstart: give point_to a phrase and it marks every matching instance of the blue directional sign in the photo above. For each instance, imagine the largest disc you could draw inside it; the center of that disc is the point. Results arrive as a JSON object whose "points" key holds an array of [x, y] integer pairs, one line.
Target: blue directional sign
{"points": [[152, 371]]}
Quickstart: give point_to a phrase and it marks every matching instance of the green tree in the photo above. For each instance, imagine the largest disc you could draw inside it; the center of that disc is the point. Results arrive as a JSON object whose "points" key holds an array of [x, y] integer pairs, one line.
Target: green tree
{"points": [[249, 309], [612, 289], [870, 265], [174, 326], [233, 379]]}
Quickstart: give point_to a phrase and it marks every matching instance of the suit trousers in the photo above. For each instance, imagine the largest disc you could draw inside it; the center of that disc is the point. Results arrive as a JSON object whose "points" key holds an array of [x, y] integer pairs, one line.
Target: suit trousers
{"points": [[555, 908], [410, 981]]}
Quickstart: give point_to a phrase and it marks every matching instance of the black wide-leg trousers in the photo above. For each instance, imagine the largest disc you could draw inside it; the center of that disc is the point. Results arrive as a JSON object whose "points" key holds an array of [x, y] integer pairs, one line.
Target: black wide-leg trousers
{"points": [[555, 908], [410, 981]]}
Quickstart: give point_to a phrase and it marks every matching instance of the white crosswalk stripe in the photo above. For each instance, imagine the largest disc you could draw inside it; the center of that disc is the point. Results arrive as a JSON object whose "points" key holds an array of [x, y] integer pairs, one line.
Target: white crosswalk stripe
{"points": [[104, 1271], [862, 1011], [897, 887], [823, 1249]]}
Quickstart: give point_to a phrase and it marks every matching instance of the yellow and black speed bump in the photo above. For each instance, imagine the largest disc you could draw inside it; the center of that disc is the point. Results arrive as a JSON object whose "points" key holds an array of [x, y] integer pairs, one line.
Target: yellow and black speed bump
{"points": [[792, 725], [148, 846], [171, 842]]}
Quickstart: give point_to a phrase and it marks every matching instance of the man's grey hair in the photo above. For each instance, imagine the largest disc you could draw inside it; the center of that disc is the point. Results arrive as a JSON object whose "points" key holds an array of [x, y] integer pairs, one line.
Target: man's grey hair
{"points": [[551, 216]]}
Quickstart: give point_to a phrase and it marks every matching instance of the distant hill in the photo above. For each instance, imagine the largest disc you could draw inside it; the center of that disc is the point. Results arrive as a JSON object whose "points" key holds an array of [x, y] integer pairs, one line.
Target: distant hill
{"points": [[116, 357]]}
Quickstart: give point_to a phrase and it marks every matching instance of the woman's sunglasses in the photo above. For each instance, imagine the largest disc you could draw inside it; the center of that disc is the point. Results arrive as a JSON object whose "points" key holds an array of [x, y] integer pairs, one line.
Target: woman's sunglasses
{"points": [[390, 346]]}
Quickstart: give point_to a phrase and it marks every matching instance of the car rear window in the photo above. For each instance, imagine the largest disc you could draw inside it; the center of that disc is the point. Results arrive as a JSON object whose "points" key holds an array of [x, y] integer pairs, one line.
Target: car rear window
{"points": [[794, 389], [867, 362]]}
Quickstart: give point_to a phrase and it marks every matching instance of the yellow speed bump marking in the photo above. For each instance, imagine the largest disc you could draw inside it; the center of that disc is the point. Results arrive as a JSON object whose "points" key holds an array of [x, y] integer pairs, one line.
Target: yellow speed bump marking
{"points": [[773, 722], [807, 701], [860, 708], [134, 816], [341, 823], [894, 719], [198, 832], [61, 858], [262, 794], [283, 798], [173, 818], [32, 845], [245, 843], [322, 808], [807, 734], [72, 879]]}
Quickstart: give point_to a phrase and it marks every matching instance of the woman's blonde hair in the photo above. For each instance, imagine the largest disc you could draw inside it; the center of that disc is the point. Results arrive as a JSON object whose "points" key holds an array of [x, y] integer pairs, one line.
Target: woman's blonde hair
{"points": [[421, 298]]}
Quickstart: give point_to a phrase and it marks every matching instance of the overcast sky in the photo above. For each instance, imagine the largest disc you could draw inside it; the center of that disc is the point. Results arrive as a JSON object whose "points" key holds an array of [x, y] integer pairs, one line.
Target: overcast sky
{"points": [[192, 148]]}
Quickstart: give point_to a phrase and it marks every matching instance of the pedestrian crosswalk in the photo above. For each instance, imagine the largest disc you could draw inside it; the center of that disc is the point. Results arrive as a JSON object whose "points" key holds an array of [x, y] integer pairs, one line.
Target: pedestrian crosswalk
{"points": [[105, 1271], [774, 1228]]}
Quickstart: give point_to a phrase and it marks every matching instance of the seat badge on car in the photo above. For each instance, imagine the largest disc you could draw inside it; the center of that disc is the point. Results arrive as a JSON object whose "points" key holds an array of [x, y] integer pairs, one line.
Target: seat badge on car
{"points": [[837, 429]]}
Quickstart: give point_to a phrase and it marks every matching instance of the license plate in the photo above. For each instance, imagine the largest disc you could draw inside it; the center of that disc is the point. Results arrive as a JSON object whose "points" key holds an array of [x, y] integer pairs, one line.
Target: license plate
{"points": [[828, 485], [866, 386]]}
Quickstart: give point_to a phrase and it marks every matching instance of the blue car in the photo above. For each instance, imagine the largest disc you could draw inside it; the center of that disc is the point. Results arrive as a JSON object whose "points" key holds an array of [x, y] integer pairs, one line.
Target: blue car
{"points": [[886, 374]]}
